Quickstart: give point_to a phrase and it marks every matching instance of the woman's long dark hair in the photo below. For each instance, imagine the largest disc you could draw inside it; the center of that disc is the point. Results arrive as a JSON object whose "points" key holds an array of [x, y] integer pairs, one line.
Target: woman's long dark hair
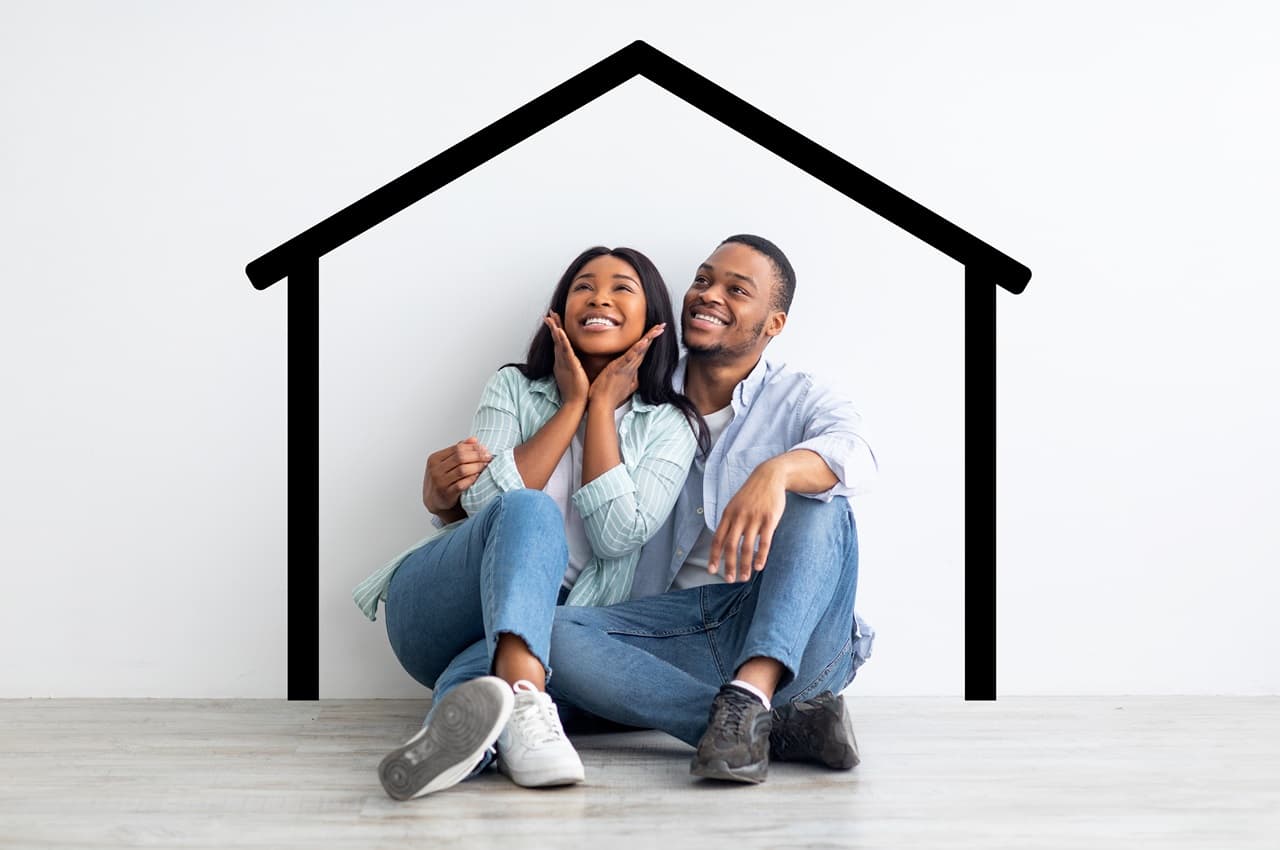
{"points": [[659, 361]]}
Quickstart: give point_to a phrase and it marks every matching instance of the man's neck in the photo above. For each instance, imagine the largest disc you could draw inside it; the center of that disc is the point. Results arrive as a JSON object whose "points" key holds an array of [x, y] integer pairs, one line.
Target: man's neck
{"points": [[710, 383]]}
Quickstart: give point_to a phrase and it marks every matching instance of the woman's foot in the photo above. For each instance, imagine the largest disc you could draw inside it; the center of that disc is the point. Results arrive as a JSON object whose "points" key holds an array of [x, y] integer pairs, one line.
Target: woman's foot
{"points": [[533, 749], [466, 723]]}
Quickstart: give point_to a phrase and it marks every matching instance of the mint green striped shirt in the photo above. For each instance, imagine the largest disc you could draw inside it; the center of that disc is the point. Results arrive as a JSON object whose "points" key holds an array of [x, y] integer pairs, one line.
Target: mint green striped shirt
{"points": [[621, 509]]}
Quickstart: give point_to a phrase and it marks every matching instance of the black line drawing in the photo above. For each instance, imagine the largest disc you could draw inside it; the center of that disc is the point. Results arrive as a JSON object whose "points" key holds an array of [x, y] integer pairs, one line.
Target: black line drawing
{"points": [[299, 260]]}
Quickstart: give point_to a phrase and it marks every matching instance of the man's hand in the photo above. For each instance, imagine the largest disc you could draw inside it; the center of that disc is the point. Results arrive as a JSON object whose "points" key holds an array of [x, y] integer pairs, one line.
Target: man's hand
{"points": [[753, 512], [449, 472]]}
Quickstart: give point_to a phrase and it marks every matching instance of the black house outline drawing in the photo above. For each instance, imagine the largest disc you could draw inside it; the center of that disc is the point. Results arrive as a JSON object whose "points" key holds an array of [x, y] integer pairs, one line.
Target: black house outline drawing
{"points": [[299, 260]]}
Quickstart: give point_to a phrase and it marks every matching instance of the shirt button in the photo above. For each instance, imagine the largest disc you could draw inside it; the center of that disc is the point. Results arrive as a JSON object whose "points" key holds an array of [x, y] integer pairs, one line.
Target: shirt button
{"points": [[679, 553], [699, 509]]}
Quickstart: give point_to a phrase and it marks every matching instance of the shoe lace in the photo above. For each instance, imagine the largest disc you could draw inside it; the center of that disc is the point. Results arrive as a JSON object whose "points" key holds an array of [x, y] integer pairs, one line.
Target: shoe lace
{"points": [[536, 716], [733, 716]]}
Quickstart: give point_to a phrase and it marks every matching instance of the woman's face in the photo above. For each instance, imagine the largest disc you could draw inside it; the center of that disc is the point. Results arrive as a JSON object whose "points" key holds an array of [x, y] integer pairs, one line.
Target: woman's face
{"points": [[604, 313]]}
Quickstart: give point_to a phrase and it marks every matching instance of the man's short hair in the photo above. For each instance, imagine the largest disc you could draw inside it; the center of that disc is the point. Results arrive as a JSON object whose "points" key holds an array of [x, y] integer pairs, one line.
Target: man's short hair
{"points": [[786, 276]]}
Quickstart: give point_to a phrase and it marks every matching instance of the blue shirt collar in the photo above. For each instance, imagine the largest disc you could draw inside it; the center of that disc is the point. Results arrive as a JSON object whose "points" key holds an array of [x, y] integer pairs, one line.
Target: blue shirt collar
{"points": [[747, 390]]}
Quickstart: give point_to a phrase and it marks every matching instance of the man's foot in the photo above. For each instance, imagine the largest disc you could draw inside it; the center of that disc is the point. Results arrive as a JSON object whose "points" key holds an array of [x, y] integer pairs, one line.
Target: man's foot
{"points": [[735, 746], [466, 723], [533, 749], [814, 730]]}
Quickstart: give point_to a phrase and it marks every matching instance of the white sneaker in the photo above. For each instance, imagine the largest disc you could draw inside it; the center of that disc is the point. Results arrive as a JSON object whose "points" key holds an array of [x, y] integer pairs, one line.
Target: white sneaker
{"points": [[533, 749], [466, 723]]}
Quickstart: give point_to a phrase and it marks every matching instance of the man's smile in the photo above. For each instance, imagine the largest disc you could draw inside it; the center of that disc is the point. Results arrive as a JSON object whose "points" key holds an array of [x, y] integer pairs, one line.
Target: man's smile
{"points": [[702, 317]]}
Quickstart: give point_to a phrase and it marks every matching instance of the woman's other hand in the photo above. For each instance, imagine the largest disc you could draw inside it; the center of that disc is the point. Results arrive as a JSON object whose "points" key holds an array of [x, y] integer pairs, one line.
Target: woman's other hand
{"points": [[571, 378], [617, 381]]}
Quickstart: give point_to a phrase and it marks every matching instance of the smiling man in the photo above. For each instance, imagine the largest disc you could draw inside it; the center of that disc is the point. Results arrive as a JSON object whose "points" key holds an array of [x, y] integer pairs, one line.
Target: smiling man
{"points": [[744, 598]]}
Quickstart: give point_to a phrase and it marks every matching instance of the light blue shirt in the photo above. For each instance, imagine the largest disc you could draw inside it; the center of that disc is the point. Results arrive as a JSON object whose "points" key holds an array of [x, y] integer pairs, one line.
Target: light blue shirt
{"points": [[776, 410]]}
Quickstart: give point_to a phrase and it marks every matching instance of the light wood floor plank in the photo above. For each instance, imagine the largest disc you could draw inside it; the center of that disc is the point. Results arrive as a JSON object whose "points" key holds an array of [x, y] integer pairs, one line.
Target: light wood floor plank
{"points": [[1020, 773]]}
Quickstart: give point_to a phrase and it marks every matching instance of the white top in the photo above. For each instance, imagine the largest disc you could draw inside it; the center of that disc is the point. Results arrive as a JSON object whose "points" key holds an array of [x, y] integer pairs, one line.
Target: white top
{"points": [[694, 570], [566, 480]]}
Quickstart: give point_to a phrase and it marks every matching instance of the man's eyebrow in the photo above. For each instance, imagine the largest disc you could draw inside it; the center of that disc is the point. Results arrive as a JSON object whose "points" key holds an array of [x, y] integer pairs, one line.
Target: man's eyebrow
{"points": [[712, 269]]}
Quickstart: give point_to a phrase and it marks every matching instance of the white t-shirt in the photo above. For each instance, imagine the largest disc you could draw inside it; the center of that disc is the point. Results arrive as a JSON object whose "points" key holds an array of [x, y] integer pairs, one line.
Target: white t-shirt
{"points": [[694, 570], [566, 480]]}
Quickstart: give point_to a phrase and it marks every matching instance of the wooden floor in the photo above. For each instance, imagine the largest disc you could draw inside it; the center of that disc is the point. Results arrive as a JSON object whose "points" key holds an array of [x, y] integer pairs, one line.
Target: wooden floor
{"points": [[1021, 773]]}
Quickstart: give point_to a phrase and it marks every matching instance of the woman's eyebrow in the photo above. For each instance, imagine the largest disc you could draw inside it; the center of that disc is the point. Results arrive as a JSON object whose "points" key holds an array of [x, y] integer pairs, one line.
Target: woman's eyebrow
{"points": [[592, 275]]}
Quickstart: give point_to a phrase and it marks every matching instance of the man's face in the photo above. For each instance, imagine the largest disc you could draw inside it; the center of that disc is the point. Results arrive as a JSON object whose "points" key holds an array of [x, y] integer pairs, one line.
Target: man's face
{"points": [[728, 310]]}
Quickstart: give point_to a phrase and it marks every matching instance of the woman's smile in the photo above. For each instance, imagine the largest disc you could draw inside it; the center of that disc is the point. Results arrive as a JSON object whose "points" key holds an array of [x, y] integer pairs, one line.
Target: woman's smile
{"points": [[596, 322]]}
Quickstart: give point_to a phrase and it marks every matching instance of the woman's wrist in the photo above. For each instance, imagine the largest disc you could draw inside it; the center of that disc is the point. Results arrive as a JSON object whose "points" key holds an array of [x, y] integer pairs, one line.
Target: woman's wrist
{"points": [[576, 406], [603, 404]]}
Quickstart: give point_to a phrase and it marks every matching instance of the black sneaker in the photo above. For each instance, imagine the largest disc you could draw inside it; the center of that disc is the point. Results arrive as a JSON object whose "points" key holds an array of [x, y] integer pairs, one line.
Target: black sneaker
{"points": [[815, 730], [463, 726], [735, 746]]}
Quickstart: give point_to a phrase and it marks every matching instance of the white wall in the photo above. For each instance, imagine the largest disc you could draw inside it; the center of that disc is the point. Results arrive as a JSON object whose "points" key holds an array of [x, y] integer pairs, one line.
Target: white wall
{"points": [[1126, 155]]}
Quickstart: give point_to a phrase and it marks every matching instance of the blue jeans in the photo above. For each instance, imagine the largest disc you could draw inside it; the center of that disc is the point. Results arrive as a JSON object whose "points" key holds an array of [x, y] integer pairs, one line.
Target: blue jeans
{"points": [[499, 572], [658, 662]]}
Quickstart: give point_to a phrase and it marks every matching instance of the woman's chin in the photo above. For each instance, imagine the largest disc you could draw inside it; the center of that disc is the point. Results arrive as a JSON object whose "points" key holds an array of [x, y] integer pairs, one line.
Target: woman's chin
{"points": [[601, 348]]}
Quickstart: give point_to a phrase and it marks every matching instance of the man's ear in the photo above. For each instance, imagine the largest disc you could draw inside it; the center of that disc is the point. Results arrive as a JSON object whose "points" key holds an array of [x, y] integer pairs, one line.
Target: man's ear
{"points": [[776, 322]]}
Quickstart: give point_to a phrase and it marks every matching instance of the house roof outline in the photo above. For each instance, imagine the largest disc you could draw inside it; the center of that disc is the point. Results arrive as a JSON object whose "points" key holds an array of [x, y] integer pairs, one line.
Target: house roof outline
{"points": [[298, 260]]}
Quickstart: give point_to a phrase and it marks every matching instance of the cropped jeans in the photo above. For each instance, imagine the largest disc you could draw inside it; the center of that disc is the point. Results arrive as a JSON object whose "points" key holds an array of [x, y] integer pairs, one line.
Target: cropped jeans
{"points": [[499, 572], [658, 662]]}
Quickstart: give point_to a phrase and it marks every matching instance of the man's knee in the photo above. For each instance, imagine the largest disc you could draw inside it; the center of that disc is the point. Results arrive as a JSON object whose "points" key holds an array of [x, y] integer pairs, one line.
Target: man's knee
{"points": [[811, 519]]}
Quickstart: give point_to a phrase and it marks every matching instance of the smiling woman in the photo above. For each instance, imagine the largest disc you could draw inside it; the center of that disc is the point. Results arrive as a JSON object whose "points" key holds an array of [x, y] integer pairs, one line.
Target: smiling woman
{"points": [[576, 458]]}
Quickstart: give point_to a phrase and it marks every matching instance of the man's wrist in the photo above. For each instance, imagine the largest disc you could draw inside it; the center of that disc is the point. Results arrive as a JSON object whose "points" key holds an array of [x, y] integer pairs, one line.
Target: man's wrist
{"points": [[776, 471]]}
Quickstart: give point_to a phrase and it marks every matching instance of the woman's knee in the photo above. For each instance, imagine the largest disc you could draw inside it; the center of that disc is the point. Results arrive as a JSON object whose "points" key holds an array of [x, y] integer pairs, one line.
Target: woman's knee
{"points": [[531, 505], [529, 510]]}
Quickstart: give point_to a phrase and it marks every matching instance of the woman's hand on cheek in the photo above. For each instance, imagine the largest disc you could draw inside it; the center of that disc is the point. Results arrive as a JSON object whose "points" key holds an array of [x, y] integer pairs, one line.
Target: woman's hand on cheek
{"points": [[617, 381], [570, 376]]}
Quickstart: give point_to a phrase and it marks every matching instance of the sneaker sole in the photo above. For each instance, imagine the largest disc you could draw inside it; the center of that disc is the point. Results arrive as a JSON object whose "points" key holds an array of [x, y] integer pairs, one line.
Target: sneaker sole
{"points": [[720, 769], [466, 722]]}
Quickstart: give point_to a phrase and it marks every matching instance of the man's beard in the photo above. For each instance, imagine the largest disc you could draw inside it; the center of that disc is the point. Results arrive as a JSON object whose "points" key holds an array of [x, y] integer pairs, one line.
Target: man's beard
{"points": [[720, 351]]}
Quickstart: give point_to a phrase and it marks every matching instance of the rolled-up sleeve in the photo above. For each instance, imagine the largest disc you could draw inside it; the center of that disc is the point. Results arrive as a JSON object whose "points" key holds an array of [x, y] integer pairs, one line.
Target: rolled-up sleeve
{"points": [[832, 428], [623, 508], [497, 426]]}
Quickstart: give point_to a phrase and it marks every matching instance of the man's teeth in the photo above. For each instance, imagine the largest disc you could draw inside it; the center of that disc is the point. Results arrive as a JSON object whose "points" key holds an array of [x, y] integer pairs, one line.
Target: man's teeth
{"points": [[599, 321], [712, 319]]}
